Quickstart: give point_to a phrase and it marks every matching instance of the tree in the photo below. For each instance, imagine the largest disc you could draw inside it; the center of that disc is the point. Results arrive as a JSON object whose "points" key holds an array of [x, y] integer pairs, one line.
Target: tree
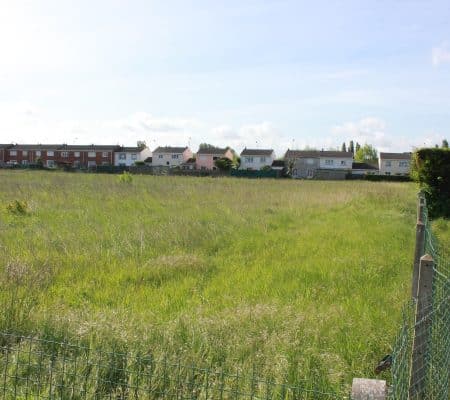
{"points": [[367, 153], [357, 147], [141, 144], [445, 144], [224, 163], [206, 146], [344, 147], [351, 147]]}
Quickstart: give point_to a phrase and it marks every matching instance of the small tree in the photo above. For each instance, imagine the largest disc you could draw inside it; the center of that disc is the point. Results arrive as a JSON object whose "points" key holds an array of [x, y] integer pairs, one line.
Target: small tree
{"points": [[367, 153], [224, 164], [141, 144], [343, 147], [351, 147], [445, 144], [357, 147]]}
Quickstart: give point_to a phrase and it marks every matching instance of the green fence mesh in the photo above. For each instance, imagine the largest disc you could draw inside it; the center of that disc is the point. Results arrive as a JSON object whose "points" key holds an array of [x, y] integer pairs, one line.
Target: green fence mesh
{"points": [[432, 331]]}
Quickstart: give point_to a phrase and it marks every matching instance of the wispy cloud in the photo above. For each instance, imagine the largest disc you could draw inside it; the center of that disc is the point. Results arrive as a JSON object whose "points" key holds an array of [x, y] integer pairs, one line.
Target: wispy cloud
{"points": [[440, 54]]}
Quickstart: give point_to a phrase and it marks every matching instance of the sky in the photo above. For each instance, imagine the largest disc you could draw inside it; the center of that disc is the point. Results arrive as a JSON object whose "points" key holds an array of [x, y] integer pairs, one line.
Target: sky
{"points": [[258, 74]]}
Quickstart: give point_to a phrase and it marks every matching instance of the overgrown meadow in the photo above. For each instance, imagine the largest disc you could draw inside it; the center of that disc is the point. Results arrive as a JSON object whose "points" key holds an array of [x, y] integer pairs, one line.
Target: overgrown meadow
{"points": [[298, 279]]}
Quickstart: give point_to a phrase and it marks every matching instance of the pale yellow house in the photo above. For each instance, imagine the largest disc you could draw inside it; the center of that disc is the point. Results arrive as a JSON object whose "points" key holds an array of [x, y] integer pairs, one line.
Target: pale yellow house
{"points": [[395, 163]]}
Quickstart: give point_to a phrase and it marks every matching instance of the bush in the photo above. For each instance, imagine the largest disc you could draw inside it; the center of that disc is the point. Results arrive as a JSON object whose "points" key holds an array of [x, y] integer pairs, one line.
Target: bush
{"points": [[18, 207], [390, 178], [126, 177], [431, 169]]}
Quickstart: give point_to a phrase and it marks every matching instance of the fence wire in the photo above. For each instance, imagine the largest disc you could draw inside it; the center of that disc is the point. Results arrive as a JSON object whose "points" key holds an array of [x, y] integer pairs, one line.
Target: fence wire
{"points": [[425, 372], [41, 369]]}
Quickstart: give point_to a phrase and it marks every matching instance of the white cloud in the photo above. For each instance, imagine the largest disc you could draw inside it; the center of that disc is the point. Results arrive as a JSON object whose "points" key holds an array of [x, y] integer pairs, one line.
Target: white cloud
{"points": [[440, 54]]}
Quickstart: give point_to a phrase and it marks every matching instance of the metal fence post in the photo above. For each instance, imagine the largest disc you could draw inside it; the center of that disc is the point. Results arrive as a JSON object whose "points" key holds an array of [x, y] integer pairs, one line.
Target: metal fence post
{"points": [[422, 326]]}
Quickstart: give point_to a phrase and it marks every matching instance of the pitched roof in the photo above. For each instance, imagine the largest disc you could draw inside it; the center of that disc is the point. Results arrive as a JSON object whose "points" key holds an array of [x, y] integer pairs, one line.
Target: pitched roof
{"points": [[395, 156], [256, 152], [92, 147], [148, 159], [363, 165], [135, 149], [36, 147], [170, 150], [317, 153], [5, 146], [212, 150], [278, 163]]}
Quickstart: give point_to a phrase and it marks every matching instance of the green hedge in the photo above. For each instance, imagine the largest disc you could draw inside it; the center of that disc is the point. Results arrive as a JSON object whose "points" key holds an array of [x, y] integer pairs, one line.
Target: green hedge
{"points": [[431, 168], [390, 178]]}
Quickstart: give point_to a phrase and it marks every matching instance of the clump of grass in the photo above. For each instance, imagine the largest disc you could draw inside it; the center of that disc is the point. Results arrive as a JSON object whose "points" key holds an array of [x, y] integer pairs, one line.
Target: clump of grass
{"points": [[18, 207], [125, 177]]}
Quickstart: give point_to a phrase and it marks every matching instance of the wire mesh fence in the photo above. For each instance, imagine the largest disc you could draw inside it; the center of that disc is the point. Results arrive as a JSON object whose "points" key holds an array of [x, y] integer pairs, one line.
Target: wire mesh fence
{"points": [[42, 369], [421, 354]]}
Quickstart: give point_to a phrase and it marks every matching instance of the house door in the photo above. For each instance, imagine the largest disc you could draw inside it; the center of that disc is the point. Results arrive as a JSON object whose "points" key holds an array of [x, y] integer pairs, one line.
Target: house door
{"points": [[309, 173]]}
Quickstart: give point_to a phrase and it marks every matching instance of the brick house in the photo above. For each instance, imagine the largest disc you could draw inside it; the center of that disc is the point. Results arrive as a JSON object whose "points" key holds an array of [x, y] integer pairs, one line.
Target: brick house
{"points": [[26, 154], [85, 156], [3, 150]]}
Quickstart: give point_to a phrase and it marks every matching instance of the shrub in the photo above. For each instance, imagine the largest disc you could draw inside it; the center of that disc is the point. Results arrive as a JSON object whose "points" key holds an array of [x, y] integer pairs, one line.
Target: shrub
{"points": [[18, 207], [431, 169], [126, 177], [139, 163], [390, 178]]}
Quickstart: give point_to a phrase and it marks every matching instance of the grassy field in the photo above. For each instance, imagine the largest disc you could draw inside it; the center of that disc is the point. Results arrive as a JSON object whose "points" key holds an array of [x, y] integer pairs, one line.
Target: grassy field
{"points": [[305, 280]]}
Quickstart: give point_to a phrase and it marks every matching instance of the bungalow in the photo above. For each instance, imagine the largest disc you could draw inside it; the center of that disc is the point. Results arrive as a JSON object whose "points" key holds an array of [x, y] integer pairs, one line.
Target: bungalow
{"points": [[395, 163], [316, 164], [206, 157], [3, 150], [256, 159], [26, 154], [170, 156], [361, 168], [126, 156]]}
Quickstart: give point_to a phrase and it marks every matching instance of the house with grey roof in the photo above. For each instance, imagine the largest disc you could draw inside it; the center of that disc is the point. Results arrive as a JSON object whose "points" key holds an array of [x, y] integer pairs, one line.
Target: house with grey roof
{"points": [[315, 164], [126, 156], [395, 164], [256, 159], [168, 156], [207, 156]]}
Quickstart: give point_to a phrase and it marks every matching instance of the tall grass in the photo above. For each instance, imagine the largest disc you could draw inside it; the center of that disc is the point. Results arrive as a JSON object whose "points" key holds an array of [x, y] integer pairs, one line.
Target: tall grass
{"points": [[303, 280]]}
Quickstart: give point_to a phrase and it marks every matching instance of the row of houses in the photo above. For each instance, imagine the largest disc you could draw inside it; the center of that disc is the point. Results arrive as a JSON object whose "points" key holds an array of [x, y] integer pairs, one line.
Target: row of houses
{"points": [[306, 164]]}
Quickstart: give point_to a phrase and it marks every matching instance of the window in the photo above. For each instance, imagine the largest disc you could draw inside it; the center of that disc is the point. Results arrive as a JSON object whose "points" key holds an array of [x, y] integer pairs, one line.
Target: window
{"points": [[91, 154], [122, 156], [50, 163], [262, 159], [38, 153], [248, 159], [388, 173], [160, 156], [329, 162], [65, 154], [24, 162], [105, 154], [134, 156], [310, 161], [105, 163], [50, 154], [92, 164], [24, 153], [387, 163], [403, 163], [215, 158], [175, 156], [343, 162], [13, 153], [76, 154]]}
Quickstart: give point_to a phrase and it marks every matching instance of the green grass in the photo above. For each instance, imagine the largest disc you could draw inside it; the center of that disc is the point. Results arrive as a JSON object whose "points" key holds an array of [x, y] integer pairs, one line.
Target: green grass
{"points": [[305, 280]]}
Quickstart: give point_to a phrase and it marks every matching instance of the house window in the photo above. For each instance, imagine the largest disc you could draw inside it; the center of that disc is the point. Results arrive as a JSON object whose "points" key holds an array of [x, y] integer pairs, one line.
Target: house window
{"points": [[160, 156], [388, 173], [38, 153], [134, 156], [403, 163], [174, 156], [343, 162], [105, 154], [65, 154], [262, 159], [24, 153], [77, 154], [50, 163], [310, 161], [24, 162], [91, 154], [105, 163], [50, 154], [329, 162], [13, 153], [122, 156], [387, 164], [248, 159], [92, 164]]}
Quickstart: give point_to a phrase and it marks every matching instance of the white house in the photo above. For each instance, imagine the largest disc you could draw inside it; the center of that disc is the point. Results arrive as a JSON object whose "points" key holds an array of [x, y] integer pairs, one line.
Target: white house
{"points": [[256, 159], [170, 156], [395, 163], [126, 156]]}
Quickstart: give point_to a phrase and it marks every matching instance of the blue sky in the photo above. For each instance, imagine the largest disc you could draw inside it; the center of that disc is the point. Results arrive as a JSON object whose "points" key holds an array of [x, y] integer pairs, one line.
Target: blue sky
{"points": [[241, 73]]}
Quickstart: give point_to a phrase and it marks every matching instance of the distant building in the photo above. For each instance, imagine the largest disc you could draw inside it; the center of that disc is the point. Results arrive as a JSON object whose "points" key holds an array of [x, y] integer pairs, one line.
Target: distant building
{"points": [[85, 156], [395, 164], [206, 157], [26, 154], [361, 168], [170, 156], [3, 152], [314, 164], [256, 159], [127, 156]]}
